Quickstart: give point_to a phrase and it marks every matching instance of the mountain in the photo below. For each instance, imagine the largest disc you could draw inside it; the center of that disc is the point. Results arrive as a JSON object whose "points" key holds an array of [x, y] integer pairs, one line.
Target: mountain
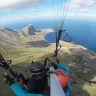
{"points": [[29, 30], [7, 29], [23, 36], [30, 34], [8, 36]]}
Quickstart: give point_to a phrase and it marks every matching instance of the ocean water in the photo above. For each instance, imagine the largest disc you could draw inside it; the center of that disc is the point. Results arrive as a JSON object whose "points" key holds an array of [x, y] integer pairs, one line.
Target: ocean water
{"points": [[82, 31]]}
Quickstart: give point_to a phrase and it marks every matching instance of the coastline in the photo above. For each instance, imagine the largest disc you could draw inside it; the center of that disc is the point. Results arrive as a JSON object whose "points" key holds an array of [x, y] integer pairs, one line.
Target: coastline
{"points": [[40, 35]]}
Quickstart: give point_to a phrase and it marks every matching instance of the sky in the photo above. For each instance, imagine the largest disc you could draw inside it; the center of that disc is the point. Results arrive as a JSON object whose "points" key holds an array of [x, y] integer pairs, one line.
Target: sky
{"points": [[23, 10]]}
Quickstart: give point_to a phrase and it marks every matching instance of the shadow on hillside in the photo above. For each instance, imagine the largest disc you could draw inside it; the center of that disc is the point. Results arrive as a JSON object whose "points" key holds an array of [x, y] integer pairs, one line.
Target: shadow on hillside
{"points": [[39, 44]]}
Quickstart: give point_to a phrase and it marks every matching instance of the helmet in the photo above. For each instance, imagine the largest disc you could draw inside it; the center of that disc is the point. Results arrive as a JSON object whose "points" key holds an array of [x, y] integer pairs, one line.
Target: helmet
{"points": [[62, 77], [36, 67]]}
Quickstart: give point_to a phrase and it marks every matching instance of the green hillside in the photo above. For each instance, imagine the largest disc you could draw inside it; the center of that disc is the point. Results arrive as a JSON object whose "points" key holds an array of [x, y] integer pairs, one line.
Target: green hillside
{"points": [[78, 59]]}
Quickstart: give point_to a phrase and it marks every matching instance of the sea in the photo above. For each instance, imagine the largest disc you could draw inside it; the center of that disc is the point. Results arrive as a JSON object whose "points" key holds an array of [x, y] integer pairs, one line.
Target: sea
{"points": [[81, 31]]}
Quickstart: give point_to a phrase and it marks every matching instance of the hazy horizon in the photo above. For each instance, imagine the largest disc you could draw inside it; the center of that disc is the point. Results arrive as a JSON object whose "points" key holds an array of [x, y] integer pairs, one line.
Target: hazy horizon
{"points": [[26, 10]]}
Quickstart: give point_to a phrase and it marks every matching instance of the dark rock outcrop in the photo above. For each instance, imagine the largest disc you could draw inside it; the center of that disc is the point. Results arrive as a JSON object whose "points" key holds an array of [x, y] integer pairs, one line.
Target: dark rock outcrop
{"points": [[29, 30]]}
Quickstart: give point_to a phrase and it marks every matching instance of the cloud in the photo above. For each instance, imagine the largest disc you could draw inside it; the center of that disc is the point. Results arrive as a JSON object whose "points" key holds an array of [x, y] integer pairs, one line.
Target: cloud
{"points": [[7, 5], [36, 10], [81, 5], [83, 10]]}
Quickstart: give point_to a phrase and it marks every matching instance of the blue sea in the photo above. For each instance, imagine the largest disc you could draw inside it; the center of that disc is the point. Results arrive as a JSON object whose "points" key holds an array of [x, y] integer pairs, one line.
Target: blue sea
{"points": [[82, 31]]}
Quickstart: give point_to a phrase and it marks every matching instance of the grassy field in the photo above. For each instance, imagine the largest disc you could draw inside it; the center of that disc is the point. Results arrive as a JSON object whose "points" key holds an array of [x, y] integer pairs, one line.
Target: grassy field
{"points": [[23, 56]]}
